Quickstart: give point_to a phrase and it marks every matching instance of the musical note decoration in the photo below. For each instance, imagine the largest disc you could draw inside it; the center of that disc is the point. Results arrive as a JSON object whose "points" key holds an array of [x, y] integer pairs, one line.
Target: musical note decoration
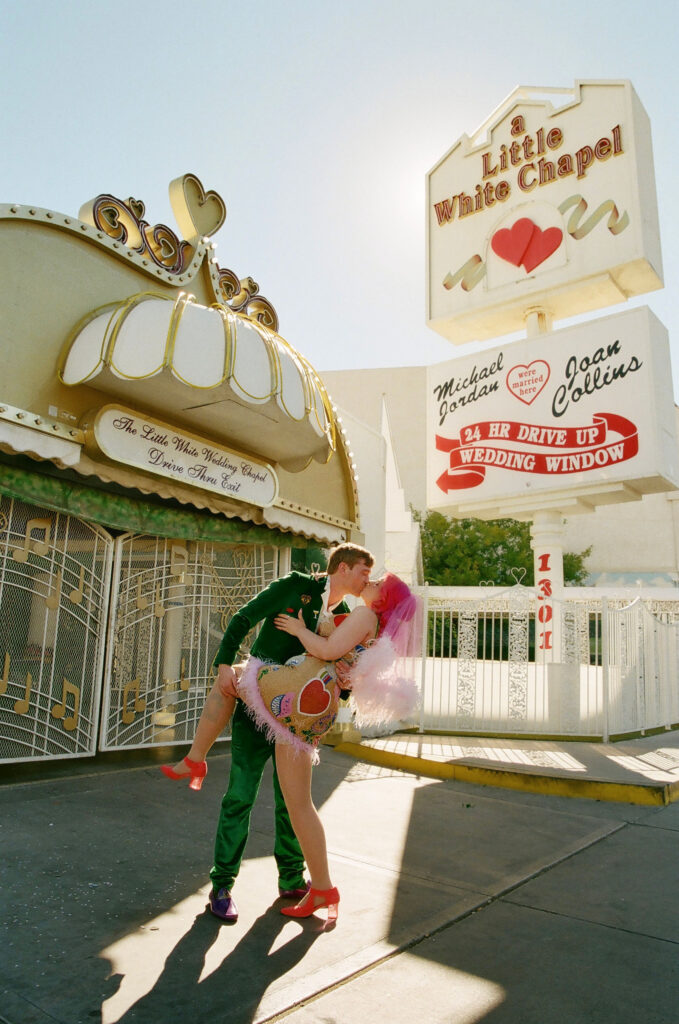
{"points": [[40, 547], [141, 602], [128, 715], [76, 595], [5, 674], [22, 705], [158, 606], [179, 564], [59, 710], [53, 598]]}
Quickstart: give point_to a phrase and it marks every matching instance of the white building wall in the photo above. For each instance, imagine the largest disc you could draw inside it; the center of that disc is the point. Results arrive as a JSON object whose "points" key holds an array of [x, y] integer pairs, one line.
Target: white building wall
{"points": [[369, 451], [386, 520], [361, 392]]}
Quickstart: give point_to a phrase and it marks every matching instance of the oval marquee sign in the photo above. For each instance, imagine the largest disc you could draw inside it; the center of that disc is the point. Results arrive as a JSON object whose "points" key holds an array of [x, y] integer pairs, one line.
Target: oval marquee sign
{"points": [[136, 440]]}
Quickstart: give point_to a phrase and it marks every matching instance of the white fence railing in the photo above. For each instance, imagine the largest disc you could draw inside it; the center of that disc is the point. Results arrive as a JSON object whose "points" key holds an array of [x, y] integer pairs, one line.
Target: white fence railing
{"points": [[612, 667]]}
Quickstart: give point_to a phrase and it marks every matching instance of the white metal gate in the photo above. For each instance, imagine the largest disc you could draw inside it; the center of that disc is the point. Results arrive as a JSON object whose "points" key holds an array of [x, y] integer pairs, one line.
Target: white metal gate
{"points": [[170, 605], [611, 668], [54, 587]]}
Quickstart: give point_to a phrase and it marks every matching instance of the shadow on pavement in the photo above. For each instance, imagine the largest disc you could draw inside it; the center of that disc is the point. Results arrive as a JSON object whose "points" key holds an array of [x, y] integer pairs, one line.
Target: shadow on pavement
{"points": [[236, 985], [92, 860]]}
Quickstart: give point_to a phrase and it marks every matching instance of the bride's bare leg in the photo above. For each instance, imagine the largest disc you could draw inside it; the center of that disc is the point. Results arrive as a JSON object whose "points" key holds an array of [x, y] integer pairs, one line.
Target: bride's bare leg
{"points": [[294, 775], [215, 716]]}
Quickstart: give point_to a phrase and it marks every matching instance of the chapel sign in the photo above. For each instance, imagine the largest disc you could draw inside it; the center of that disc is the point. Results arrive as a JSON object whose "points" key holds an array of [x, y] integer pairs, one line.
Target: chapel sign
{"points": [[582, 415], [544, 206]]}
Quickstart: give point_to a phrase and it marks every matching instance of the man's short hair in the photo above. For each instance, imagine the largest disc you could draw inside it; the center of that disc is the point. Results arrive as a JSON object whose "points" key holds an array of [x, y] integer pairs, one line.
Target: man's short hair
{"points": [[350, 554]]}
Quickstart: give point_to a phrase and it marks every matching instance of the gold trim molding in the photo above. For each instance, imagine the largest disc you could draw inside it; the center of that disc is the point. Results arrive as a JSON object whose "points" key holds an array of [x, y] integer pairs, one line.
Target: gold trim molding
{"points": [[43, 424], [119, 226]]}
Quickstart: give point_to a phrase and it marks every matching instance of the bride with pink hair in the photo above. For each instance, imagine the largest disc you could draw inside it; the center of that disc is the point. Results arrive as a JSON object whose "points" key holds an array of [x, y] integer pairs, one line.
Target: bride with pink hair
{"points": [[367, 656]]}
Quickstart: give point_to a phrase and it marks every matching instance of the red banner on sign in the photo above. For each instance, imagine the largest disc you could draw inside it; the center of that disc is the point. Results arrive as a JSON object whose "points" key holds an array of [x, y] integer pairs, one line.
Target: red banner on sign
{"points": [[572, 449]]}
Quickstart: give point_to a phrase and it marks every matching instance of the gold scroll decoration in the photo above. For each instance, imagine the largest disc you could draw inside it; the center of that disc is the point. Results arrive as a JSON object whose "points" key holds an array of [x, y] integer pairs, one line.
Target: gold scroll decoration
{"points": [[242, 296], [617, 222], [469, 274], [123, 220]]}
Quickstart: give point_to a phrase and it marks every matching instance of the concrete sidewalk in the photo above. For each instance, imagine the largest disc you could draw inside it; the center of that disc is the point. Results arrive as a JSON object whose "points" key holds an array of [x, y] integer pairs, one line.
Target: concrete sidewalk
{"points": [[461, 903], [640, 771]]}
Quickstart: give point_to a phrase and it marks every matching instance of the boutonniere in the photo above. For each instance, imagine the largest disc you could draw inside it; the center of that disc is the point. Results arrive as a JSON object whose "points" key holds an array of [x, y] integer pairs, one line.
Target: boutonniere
{"points": [[305, 598]]}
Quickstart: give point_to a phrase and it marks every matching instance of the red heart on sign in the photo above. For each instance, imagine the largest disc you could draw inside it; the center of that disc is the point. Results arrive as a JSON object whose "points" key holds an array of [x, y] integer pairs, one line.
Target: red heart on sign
{"points": [[525, 244], [314, 698], [511, 243], [526, 382], [541, 247]]}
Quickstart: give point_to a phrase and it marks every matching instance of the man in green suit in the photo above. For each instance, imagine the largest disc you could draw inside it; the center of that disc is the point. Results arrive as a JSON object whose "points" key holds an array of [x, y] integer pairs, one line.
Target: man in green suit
{"points": [[348, 572]]}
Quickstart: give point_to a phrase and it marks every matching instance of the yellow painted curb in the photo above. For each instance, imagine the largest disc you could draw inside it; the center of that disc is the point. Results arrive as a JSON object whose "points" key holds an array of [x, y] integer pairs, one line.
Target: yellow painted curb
{"points": [[550, 785]]}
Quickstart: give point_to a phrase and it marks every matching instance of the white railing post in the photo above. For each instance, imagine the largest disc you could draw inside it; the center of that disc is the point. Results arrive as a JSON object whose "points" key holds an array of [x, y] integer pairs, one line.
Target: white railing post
{"points": [[425, 650], [605, 667]]}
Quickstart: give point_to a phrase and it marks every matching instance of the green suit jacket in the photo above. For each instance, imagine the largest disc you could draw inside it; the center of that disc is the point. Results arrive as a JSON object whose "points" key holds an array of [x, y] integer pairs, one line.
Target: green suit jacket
{"points": [[287, 594]]}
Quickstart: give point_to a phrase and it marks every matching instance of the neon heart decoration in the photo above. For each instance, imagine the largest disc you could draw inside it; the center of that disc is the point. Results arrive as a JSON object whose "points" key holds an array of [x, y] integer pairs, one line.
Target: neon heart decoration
{"points": [[526, 382], [525, 244], [314, 699]]}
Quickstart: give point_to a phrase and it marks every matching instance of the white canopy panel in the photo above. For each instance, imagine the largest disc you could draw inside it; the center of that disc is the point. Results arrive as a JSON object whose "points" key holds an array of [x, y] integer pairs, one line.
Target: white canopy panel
{"points": [[207, 367]]}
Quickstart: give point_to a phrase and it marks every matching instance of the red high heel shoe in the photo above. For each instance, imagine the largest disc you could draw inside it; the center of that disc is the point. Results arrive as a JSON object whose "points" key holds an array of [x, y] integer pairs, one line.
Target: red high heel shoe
{"points": [[308, 906], [197, 772]]}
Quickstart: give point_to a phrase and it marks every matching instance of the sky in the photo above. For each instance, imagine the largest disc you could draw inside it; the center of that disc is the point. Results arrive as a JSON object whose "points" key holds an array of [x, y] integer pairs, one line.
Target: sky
{"points": [[317, 124]]}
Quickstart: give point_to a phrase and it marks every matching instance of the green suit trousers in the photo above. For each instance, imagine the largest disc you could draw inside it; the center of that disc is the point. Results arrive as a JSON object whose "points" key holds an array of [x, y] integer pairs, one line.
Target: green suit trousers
{"points": [[250, 750]]}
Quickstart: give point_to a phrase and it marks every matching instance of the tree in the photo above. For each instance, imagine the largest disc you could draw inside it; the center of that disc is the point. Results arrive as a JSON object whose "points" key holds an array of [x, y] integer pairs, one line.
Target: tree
{"points": [[467, 552]]}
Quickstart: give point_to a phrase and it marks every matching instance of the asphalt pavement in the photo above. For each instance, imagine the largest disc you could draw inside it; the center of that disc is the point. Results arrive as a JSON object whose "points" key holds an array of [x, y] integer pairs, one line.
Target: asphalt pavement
{"points": [[461, 903]]}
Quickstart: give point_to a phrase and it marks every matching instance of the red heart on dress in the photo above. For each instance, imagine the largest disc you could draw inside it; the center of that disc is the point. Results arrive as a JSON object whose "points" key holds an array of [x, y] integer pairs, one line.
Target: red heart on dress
{"points": [[510, 244], [314, 699], [541, 247]]}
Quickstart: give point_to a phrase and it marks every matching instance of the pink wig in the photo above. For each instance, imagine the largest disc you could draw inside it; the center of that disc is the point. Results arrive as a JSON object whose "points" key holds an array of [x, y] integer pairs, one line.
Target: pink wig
{"points": [[396, 608], [384, 688]]}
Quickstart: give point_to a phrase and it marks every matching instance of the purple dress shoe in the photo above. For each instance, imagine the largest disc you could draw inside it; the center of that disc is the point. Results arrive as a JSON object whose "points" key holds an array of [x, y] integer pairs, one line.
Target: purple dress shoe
{"points": [[294, 894], [223, 905]]}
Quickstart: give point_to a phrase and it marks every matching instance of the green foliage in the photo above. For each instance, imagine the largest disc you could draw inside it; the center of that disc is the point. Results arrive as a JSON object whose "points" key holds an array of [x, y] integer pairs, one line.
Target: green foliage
{"points": [[304, 559], [465, 552]]}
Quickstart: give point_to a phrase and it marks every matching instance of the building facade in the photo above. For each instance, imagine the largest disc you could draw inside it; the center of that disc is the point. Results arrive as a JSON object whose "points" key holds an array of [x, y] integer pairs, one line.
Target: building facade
{"points": [[163, 451]]}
